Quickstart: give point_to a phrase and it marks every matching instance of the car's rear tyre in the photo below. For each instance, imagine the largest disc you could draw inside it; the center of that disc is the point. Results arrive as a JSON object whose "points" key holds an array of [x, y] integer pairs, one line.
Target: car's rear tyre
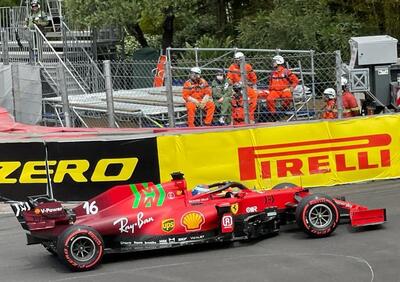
{"points": [[284, 186], [317, 215], [80, 248]]}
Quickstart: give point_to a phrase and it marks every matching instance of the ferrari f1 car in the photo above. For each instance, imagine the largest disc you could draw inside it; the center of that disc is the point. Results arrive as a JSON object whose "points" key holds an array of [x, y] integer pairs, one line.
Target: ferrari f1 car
{"points": [[144, 216]]}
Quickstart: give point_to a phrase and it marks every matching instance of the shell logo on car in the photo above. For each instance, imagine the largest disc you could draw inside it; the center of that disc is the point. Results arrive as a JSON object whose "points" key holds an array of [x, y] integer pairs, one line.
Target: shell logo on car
{"points": [[192, 221]]}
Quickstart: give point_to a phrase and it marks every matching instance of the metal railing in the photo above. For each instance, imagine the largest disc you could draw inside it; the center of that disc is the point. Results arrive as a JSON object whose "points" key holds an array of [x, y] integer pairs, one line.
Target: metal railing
{"points": [[136, 103], [13, 16], [81, 61], [40, 40]]}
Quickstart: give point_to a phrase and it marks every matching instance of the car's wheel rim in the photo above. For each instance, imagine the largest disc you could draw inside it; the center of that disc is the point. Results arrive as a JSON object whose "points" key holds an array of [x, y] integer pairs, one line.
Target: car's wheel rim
{"points": [[320, 216], [83, 249]]}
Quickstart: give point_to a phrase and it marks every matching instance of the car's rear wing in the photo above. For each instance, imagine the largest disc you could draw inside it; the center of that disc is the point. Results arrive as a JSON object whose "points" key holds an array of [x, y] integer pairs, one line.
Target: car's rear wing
{"points": [[41, 212]]}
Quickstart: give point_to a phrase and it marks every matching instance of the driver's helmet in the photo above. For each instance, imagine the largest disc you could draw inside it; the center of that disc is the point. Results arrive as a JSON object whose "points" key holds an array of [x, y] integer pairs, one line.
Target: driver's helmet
{"points": [[199, 189]]}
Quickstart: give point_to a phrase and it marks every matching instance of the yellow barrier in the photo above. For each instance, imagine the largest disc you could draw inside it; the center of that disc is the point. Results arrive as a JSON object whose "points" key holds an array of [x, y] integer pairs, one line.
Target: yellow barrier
{"points": [[308, 154]]}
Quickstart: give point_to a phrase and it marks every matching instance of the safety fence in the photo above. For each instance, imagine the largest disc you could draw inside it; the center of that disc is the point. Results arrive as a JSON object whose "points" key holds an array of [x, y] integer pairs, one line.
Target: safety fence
{"points": [[315, 71], [132, 93], [135, 99]]}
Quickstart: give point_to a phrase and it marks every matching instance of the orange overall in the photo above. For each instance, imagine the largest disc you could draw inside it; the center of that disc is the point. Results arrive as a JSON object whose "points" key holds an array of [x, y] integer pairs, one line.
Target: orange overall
{"points": [[330, 111], [193, 93], [234, 74], [238, 110], [279, 87]]}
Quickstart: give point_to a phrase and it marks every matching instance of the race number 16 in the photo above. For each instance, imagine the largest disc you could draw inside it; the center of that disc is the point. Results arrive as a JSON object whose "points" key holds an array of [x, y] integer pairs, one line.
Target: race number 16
{"points": [[90, 208]]}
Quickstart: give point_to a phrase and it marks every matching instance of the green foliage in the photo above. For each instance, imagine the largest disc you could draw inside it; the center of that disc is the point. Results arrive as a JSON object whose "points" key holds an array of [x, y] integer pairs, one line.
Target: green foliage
{"points": [[322, 25], [10, 3], [97, 13], [207, 41], [131, 45], [298, 25]]}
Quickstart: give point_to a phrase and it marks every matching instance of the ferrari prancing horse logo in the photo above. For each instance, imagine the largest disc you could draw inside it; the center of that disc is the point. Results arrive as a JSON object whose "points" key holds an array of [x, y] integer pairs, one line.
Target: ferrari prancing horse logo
{"points": [[235, 208]]}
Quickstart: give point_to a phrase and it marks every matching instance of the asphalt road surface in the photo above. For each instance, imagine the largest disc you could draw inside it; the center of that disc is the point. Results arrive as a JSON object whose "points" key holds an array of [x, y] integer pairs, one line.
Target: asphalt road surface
{"points": [[368, 254]]}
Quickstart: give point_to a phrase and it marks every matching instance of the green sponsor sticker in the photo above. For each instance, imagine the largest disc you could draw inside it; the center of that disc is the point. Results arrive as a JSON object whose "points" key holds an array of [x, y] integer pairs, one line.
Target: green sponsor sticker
{"points": [[150, 195]]}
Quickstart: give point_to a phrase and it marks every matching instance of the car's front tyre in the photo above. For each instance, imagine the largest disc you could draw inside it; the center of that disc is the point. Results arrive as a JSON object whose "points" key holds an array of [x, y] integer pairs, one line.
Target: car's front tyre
{"points": [[317, 215], [80, 248]]}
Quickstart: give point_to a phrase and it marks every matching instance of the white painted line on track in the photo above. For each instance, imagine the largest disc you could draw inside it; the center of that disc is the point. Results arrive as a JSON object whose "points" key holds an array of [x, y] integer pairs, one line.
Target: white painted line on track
{"points": [[358, 259]]}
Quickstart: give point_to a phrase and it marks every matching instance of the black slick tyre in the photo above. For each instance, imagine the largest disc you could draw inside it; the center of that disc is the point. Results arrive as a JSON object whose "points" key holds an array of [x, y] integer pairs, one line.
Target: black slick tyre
{"points": [[80, 248], [317, 215]]}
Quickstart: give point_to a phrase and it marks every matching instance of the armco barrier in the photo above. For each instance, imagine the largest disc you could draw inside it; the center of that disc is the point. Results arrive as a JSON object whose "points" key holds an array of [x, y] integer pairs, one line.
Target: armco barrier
{"points": [[308, 154]]}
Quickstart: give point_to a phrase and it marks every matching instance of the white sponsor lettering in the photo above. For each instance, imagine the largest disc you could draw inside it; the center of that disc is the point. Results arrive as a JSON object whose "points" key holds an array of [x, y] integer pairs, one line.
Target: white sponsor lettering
{"points": [[251, 209], [90, 208], [125, 243], [150, 243], [126, 227], [196, 237], [51, 210], [271, 214], [21, 207]]}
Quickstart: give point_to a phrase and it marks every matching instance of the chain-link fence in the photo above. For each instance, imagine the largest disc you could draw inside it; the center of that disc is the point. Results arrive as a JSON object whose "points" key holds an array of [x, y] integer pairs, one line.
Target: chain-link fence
{"points": [[135, 102], [149, 93], [125, 97]]}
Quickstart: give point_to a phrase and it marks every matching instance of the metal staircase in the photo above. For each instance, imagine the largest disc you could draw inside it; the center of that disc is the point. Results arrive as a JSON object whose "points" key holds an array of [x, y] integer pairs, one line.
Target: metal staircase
{"points": [[60, 45], [54, 13]]}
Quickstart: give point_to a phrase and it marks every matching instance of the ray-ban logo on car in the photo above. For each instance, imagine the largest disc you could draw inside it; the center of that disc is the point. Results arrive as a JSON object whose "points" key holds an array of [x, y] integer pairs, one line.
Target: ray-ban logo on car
{"points": [[125, 226], [323, 156]]}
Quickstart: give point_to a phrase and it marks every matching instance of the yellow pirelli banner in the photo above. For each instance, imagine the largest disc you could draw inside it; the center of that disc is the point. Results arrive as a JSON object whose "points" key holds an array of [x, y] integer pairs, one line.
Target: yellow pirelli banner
{"points": [[308, 154]]}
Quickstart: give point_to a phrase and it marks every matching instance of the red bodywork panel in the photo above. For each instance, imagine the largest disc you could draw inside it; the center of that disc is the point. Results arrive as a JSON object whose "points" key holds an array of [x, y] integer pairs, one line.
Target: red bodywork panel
{"points": [[144, 211]]}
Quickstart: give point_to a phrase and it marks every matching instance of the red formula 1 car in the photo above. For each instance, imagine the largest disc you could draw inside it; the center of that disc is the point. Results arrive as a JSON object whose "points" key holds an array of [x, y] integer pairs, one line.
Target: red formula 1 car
{"points": [[145, 216]]}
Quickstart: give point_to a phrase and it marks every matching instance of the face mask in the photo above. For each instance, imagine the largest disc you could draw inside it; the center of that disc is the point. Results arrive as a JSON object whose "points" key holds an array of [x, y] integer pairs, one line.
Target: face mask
{"points": [[220, 77], [194, 76]]}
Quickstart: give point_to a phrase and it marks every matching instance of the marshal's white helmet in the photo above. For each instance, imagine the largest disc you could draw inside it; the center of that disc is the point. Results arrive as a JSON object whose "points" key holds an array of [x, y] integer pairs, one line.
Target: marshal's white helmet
{"points": [[35, 3], [343, 81], [196, 70], [330, 93], [278, 59], [238, 55]]}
